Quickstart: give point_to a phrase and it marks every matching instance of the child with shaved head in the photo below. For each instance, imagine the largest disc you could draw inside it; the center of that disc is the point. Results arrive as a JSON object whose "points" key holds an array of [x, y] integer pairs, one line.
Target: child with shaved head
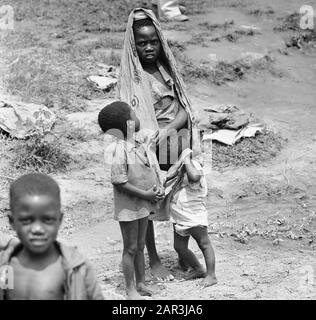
{"points": [[43, 268]]}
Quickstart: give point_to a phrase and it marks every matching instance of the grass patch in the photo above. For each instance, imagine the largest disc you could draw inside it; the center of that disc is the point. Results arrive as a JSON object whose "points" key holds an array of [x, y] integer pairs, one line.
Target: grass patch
{"points": [[289, 22], [261, 12], [197, 7], [77, 134], [216, 26], [247, 151], [302, 39], [199, 39], [80, 15], [175, 45], [224, 71], [237, 34], [39, 155], [57, 77]]}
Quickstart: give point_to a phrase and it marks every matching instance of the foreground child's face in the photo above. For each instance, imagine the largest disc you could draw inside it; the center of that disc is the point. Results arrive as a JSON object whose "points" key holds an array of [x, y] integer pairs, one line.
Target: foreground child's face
{"points": [[36, 219], [148, 45]]}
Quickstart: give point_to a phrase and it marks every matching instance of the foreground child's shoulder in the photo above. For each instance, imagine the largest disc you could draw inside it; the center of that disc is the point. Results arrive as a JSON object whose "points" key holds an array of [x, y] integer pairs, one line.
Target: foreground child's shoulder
{"points": [[85, 283]]}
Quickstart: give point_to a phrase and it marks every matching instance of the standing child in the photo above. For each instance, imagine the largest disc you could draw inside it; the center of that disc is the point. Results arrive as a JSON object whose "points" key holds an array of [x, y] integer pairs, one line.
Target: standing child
{"points": [[42, 268], [189, 216], [136, 187]]}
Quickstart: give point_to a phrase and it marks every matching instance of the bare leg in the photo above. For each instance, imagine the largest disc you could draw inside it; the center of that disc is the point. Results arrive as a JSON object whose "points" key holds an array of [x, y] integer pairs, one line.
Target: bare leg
{"points": [[130, 236], [157, 269], [139, 261], [201, 236], [184, 266], [181, 246]]}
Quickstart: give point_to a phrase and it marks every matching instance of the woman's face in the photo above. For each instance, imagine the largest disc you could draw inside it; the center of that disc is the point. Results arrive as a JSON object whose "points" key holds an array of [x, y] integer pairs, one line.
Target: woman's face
{"points": [[148, 45]]}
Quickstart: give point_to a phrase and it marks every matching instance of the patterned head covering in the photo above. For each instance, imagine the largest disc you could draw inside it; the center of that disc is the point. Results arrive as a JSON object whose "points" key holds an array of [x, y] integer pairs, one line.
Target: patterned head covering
{"points": [[133, 86]]}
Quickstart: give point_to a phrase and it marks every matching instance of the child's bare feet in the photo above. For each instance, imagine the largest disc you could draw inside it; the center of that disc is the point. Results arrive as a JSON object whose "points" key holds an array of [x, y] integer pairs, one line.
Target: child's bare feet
{"points": [[143, 290], [195, 274], [134, 295], [160, 273], [209, 280]]}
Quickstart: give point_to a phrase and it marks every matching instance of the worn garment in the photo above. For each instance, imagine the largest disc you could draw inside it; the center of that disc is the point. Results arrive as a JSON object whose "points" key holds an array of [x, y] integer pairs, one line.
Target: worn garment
{"points": [[134, 163], [32, 284], [165, 101], [80, 282], [166, 105], [133, 85], [188, 208], [172, 182]]}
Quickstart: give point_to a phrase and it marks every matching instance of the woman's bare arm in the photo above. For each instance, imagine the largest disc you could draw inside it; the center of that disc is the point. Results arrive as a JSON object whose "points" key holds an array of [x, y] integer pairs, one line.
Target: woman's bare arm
{"points": [[179, 121]]}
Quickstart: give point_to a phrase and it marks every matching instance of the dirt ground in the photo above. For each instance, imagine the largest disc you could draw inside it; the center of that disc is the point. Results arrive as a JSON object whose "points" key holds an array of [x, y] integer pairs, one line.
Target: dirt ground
{"points": [[262, 218]]}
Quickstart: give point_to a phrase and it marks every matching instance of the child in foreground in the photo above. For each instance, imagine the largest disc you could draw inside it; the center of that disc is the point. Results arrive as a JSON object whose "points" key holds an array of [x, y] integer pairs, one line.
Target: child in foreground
{"points": [[43, 269], [136, 187], [189, 216]]}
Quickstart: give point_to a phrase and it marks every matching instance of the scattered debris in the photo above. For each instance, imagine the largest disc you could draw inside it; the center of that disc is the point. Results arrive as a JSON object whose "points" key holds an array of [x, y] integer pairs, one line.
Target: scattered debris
{"points": [[277, 241], [102, 82], [22, 120], [230, 137], [224, 117], [291, 235], [278, 221], [230, 122], [245, 233], [106, 79], [246, 27], [240, 237]]}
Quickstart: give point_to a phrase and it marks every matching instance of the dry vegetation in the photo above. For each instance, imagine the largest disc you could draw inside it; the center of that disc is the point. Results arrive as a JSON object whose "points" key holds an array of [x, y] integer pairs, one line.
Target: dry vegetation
{"points": [[37, 154], [247, 151], [224, 71]]}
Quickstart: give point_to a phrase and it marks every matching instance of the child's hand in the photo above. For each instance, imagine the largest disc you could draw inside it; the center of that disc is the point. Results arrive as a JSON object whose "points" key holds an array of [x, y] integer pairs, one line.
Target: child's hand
{"points": [[161, 191], [154, 195]]}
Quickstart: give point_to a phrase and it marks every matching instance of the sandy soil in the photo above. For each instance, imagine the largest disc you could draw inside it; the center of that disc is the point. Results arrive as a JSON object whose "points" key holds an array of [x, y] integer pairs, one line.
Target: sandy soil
{"points": [[262, 218]]}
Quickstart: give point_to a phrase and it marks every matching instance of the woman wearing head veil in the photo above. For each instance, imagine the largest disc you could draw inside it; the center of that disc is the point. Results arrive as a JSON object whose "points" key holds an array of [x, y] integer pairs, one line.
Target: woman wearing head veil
{"points": [[150, 82]]}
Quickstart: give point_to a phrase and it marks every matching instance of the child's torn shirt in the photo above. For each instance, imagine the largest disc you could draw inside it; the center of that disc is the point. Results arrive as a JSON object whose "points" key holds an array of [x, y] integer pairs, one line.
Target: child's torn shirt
{"points": [[132, 163]]}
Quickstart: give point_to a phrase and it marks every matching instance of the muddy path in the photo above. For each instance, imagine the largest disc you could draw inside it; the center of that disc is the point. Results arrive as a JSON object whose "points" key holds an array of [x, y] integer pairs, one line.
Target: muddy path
{"points": [[261, 218]]}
